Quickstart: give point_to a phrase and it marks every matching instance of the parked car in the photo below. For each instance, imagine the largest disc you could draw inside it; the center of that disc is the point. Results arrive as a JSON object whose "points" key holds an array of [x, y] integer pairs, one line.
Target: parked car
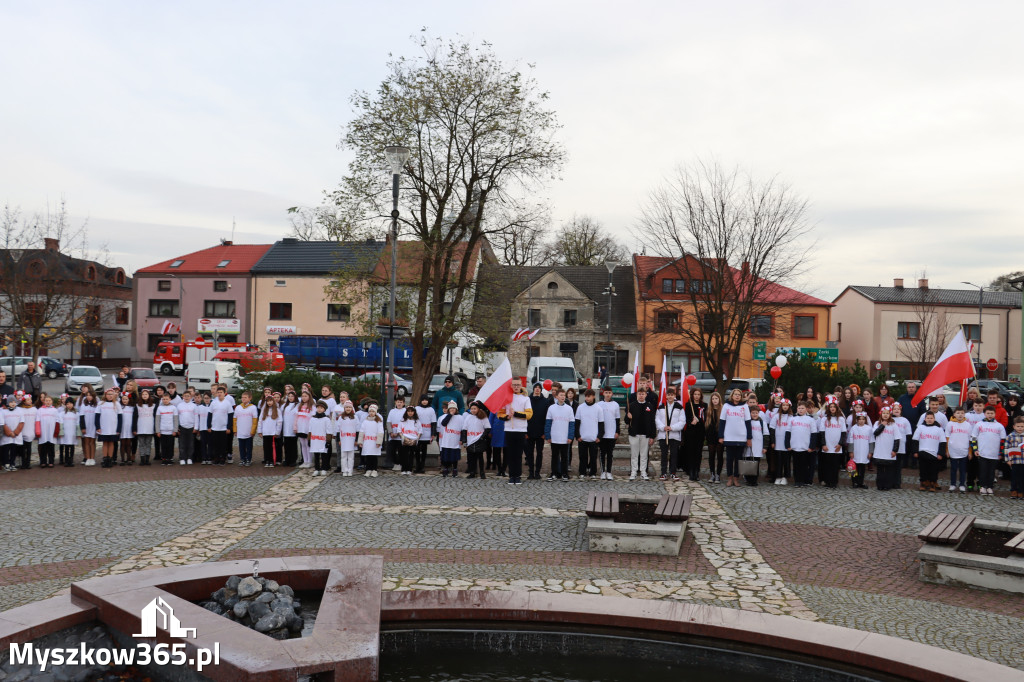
{"points": [[202, 375], [403, 385], [20, 364], [705, 382], [745, 384], [620, 393], [53, 367], [437, 383], [80, 375], [144, 377]]}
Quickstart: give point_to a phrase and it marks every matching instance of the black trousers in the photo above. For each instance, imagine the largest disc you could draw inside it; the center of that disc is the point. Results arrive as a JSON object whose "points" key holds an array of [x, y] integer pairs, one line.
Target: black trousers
{"points": [[421, 456], [407, 455], [733, 455], [929, 465], [46, 453], [885, 474], [803, 467], [535, 455], [858, 482], [271, 455], [829, 464], [559, 460], [393, 453], [321, 461], [206, 446], [221, 444], [495, 459], [669, 455], [693, 453], [972, 472], [7, 454], [515, 443], [986, 471], [475, 463], [782, 464], [67, 455], [26, 455], [588, 458], [715, 459], [291, 450], [607, 454], [166, 446]]}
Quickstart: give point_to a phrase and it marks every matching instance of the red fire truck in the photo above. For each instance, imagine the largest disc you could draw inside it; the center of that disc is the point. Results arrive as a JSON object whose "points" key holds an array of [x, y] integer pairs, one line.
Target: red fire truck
{"points": [[172, 357]]}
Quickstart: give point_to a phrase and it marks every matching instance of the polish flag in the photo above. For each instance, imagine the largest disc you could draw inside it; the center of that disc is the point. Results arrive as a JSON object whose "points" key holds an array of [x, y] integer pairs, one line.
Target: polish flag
{"points": [[636, 372], [529, 335], [664, 381], [953, 365], [169, 328], [518, 334], [496, 393]]}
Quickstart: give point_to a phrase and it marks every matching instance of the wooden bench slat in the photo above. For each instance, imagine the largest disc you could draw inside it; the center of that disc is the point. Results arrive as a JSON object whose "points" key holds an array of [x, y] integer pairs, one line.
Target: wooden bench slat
{"points": [[662, 505], [954, 522], [615, 503], [687, 502], [937, 533], [962, 529], [1016, 543], [930, 528], [677, 506], [592, 504]]}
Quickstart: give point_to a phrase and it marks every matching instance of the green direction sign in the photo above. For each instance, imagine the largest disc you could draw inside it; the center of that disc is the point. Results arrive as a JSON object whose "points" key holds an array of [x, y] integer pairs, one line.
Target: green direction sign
{"points": [[760, 350], [824, 356]]}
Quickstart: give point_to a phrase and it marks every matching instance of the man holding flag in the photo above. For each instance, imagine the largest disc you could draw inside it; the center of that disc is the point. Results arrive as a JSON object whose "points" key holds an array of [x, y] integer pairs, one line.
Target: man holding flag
{"points": [[503, 397]]}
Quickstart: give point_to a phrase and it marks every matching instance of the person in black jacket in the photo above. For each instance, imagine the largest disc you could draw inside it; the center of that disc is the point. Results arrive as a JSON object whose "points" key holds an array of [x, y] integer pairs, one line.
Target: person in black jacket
{"points": [[5, 388], [642, 431], [913, 415], [535, 432], [693, 435]]}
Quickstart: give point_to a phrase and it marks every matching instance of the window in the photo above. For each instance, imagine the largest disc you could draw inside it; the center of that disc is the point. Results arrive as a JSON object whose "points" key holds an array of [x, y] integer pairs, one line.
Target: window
{"points": [[908, 330], [680, 286], [712, 323], [92, 317], [683, 363], [805, 326], [223, 263], [163, 308], [569, 318], [972, 332], [533, 351], [220, 285], [119, 277], [615, 361], [90, 273], [280, 282], [533, 318], [121, 316], [760, 325], [339, 312], [34, 314], [177, 263], [163, 285], [700, 286], [839, 331], [219, 309], [280, 311], [92, 348], [36, 269], [666, 321], [552, 286], [153, 340], [666, 286]]}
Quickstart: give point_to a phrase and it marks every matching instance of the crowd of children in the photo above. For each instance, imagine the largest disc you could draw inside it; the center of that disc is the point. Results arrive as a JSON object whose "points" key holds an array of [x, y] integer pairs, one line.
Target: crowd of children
{"points": [[848, 430]]}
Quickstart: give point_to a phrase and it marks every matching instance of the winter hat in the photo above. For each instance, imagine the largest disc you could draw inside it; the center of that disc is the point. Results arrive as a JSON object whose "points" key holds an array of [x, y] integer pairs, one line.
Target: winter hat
{"points": [[424, 397], [449, 378], [451, 404]]}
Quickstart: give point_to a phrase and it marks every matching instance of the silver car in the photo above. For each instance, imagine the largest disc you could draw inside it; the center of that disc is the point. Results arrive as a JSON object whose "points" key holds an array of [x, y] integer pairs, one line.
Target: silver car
{"points": [[80, 375]]}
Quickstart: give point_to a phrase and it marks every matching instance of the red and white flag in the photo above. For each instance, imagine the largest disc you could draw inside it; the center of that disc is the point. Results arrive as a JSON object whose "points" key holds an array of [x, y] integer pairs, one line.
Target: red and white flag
{"points": [[636, 372], [529, 335], [169, 328], [518, 334], [496, 392], [664, 381], [953, 365]]}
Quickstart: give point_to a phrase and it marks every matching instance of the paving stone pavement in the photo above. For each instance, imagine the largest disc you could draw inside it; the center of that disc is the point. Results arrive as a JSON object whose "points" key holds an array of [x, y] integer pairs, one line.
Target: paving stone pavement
{"points": [[993, 637]]}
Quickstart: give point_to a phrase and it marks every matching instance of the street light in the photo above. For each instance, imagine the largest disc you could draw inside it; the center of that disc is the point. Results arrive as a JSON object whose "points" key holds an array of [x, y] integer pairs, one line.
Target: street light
{"points": [[609, 292], [397, 157], [181, 303], [981, 291]]}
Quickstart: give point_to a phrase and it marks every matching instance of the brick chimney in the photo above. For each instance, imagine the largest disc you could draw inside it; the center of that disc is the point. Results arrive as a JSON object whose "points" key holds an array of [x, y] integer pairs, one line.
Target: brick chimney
{"points": [[922, 284], [898, 282], [226, 242], [51, 244]]}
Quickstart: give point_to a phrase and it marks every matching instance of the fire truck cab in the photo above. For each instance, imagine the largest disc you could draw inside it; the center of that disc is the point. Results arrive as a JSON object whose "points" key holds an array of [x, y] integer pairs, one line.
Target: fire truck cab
{"points": [[172, 357]]}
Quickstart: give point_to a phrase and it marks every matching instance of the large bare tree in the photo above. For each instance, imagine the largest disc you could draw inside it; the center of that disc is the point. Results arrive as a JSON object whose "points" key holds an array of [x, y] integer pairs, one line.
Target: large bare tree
{"points": [[926, 332], [735, 238], [481, 133], [50, 297], [582, 240]]}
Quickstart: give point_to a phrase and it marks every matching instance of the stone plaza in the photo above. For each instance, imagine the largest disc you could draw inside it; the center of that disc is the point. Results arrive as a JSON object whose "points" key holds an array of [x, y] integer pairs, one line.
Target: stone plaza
{"points": [[845, 556]]}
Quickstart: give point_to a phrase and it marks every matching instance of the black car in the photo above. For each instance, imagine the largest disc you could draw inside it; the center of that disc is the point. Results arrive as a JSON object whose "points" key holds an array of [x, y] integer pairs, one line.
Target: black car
{"points": [[53, 367]]}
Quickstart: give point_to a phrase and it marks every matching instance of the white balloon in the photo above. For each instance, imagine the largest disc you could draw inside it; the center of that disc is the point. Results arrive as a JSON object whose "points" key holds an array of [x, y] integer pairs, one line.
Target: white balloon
{"points": [[627, 378], [781, 361]]}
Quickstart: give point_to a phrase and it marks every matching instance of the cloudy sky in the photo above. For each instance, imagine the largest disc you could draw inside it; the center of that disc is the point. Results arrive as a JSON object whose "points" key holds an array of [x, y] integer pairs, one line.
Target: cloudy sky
{"points": [[901, 123]]}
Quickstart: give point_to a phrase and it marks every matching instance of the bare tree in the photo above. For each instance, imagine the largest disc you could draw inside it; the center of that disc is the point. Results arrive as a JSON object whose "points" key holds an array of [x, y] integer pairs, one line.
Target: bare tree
{"points": [[480, 133], [49, 297], [922, 338], [521, 242], [1002, 282], [584, 241], [735, 240], [324, 223]]}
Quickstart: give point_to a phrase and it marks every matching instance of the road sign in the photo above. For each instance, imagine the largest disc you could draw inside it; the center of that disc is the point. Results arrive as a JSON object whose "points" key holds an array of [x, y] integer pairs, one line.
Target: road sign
{"points": [[878, 365], [200, 342], [761, 350], [992, 364], [824, 356]]}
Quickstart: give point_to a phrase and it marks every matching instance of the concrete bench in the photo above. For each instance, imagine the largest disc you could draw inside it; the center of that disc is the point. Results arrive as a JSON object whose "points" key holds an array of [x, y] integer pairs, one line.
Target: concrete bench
{"points": [[947, 529], [673, 508], [603, 504], [1016, 543]]}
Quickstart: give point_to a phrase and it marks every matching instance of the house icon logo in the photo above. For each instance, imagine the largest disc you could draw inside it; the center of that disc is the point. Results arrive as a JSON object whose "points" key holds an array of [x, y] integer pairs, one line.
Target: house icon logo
{"points": [[159, 613]]}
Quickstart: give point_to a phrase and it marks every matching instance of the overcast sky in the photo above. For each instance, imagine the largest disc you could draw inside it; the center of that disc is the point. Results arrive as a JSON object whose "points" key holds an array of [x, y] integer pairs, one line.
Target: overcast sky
{"points": [[901, 123]]}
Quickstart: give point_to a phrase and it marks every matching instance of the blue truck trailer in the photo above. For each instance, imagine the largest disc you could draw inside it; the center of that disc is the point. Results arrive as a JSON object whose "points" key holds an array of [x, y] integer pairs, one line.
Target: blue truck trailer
{"points": [[342, 354]]}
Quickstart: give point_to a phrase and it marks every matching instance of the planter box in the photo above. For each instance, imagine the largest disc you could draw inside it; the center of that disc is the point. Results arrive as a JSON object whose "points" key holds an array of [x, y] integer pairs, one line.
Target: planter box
{"points": [[663, 537], [943, 565]]}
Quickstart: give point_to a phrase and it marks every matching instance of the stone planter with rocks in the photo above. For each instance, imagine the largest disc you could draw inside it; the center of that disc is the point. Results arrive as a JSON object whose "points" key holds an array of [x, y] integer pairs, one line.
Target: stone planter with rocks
{"points": [[260, 604]]}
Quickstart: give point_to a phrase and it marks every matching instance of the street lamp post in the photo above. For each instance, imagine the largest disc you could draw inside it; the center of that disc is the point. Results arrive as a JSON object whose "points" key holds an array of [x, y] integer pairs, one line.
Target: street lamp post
{"points": [[181, 303], [397, 157], [610, 291], [981, 292]]}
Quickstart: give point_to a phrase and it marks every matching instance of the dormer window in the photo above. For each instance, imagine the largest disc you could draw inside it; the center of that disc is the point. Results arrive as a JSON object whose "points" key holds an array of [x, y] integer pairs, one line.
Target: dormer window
{"points": [[552, 286], [90, 273]]}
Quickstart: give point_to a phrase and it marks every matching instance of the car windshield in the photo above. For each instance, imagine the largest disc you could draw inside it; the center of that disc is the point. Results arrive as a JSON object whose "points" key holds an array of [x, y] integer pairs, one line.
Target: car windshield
{"points": [[143, 374], [85, 372], [560, 374]]}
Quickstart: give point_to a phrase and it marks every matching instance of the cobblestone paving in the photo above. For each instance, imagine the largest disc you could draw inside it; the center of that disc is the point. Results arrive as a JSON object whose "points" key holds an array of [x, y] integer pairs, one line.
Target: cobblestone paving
{"points": [[990, 636], [492, 492], [85, 521], [429, 510], [894, 511], [26, 593], [443, 531], [530, 572]]}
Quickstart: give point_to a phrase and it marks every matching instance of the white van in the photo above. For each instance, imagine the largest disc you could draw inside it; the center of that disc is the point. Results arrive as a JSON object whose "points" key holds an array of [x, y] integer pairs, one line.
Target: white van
{"points": [[560, 370], [204, 374]]}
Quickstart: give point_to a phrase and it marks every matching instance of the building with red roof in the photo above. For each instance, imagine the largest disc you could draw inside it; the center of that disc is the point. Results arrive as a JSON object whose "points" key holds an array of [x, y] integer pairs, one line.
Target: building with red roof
{"points": [[200, 292], [665, 291]]}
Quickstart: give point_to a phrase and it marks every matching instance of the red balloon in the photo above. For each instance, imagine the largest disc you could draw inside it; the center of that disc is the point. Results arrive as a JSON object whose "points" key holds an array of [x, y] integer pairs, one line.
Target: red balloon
{"points": [[691, 380], [547, 384], [776, 372]]}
